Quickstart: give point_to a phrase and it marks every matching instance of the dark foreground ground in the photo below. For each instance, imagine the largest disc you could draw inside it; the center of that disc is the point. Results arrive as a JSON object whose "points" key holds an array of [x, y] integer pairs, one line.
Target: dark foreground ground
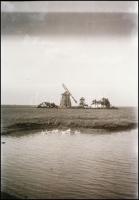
{"points": [[5, 195], [21, 118]]}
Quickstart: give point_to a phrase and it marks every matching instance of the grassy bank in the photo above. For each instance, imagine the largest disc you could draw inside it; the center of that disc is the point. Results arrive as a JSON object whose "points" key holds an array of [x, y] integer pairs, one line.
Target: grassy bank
{"points": [[5, 195], [17, 118]]}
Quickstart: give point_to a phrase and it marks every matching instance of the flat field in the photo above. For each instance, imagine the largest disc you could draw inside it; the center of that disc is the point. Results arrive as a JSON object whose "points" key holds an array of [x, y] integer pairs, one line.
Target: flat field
{"points": [[21, 118]]}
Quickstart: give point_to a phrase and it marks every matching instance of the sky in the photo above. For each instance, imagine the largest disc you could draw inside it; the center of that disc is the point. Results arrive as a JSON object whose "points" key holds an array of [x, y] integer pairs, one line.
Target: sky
{"points": [[70, 6], [88, 46]]}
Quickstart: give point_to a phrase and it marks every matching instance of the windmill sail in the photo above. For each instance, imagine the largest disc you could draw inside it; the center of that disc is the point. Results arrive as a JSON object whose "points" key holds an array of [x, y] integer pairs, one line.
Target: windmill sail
{"points": [[65, 100], [69, 93]]}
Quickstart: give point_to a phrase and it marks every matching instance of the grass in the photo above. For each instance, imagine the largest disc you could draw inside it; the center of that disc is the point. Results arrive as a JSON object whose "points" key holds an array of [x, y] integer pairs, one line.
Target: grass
{"points": [[5, 195], [17, 118]]}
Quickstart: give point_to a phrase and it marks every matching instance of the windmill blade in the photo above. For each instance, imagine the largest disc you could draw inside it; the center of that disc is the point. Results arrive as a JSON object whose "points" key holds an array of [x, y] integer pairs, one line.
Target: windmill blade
{"points": [[73, 98], [69, 93], [65, 88]]}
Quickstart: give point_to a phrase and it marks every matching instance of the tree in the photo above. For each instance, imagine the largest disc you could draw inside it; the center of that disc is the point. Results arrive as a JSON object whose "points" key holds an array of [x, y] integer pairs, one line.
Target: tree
{"points": [[105, 102], [94, 102], [82, 101]]}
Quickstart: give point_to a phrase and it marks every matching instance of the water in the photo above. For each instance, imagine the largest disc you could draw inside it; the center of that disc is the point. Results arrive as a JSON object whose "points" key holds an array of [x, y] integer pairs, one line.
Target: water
{"points": [[70, 164]]}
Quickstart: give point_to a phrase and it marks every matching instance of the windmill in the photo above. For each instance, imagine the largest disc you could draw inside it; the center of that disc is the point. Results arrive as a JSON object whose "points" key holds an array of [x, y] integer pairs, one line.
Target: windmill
{"points": [[65, 100]]}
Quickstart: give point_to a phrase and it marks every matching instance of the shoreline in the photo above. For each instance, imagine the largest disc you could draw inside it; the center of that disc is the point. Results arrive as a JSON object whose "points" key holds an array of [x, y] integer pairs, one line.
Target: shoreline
{"points": [[19, 119], [55, 124]]}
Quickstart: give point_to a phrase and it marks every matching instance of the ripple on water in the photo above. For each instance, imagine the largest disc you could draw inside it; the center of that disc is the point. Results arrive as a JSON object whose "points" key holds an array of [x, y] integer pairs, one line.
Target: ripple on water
{"points": [[54, 164]]}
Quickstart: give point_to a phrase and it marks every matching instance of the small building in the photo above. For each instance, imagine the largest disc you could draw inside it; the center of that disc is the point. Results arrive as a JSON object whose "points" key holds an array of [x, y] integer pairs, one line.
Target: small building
{"points": [[98, 105]]}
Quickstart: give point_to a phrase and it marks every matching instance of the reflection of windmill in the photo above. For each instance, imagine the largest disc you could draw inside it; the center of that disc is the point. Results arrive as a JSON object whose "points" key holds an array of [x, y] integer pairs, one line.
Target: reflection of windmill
{"points": [[65, 100]]}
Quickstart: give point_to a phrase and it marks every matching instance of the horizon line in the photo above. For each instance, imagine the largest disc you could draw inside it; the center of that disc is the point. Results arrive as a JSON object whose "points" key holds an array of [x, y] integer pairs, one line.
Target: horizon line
{"points": [[37, 104]]}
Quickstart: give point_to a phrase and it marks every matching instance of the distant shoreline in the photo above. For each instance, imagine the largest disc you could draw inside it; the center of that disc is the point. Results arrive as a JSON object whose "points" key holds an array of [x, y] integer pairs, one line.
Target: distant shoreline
{"points": [[20, 105]]}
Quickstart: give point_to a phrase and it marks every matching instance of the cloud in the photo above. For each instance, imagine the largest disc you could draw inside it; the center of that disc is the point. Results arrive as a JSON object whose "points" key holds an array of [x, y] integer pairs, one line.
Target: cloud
{"points": [[68, 24]]}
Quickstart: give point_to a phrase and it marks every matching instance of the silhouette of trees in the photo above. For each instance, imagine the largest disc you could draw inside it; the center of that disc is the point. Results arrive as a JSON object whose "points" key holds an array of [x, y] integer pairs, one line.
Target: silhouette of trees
{"points": [[94, 102], [47, 105], [104, 102]]}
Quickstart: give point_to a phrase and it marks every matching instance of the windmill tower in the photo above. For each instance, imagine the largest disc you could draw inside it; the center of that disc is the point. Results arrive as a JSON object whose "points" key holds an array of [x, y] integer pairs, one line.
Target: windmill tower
{"points": [[65, 100]]}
